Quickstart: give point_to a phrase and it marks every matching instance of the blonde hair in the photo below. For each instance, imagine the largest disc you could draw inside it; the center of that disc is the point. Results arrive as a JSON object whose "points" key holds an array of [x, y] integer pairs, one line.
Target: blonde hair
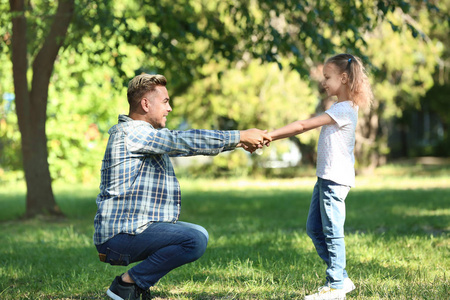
{"points": [[358, 81], [142, 84]]}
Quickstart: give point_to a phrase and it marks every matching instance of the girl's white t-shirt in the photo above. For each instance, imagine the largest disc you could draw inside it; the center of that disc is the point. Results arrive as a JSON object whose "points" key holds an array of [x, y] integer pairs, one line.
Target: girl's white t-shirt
{"points": [[335, 157]]}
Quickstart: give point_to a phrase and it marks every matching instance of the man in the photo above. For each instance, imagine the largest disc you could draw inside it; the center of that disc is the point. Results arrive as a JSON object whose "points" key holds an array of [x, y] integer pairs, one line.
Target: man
{"points": [[139, 200]]}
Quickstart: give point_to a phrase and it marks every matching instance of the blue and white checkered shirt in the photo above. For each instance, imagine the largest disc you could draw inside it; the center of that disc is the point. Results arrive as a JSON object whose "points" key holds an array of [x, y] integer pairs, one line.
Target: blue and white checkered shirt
{"points": [[138, 184]]}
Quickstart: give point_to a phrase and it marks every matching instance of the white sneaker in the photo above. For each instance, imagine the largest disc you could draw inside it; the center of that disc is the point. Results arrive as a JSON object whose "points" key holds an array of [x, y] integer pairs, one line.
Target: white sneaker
{"points": [[327, 293], [348, 285]]}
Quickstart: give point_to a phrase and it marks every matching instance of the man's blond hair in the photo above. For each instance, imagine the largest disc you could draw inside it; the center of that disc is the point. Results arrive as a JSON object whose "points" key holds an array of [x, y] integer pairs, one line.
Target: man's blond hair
{"points": [[142, 84]]}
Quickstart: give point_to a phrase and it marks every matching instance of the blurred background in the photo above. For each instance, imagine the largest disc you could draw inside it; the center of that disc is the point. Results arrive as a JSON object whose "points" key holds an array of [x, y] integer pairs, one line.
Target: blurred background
{"points": [[230, 65]]}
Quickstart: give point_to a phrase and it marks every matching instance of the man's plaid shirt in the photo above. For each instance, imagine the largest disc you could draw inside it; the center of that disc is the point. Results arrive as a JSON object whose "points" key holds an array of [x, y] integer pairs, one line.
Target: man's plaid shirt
{"points": [[138, 184]]}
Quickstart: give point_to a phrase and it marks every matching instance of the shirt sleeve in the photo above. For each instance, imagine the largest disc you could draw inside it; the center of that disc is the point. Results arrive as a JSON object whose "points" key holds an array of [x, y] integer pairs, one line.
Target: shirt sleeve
{"points": [[147, 140], [340, 113]]}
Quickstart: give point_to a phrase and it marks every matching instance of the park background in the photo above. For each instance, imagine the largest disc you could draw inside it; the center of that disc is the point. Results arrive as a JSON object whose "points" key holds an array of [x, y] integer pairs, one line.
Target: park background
{"points": [[64, 69]]}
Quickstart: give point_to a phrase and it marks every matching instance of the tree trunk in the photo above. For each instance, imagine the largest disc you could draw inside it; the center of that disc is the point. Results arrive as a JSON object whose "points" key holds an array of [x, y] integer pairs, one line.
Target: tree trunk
{"points": [[368, 141], [31, 104], [309, 155]]}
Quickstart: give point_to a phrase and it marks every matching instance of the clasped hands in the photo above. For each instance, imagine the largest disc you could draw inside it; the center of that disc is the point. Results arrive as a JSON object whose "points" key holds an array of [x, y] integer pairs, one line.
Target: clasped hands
{"points": [[253, 139]]}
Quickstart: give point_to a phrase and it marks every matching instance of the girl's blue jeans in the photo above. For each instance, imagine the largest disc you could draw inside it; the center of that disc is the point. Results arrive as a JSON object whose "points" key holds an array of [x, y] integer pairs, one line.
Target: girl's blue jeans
{"points": [[325, 226], [160, 248]]}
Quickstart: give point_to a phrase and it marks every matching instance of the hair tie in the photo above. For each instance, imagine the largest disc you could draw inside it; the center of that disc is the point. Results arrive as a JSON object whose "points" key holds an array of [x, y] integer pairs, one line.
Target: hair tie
{"points": [[349, 60]]}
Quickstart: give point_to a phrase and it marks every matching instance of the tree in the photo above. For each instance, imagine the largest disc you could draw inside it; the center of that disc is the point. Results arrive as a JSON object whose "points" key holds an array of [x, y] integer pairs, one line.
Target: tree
{"points": [[176, 37], [398, 54], [403, 59], [31, 100]]}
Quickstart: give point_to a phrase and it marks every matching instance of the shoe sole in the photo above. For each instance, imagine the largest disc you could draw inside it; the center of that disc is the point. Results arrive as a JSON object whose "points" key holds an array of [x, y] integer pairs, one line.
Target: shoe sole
{"points": [[337, 298], [311, 297], [113, 296]]}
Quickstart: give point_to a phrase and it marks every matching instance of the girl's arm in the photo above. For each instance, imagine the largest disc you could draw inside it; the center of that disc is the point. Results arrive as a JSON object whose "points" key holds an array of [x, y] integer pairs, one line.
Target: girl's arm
{"points": [[301, 126]]}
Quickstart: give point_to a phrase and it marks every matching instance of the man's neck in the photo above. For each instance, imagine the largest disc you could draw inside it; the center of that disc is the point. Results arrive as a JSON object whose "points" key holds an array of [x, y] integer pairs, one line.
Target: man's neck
{"points": [[136, 116]]}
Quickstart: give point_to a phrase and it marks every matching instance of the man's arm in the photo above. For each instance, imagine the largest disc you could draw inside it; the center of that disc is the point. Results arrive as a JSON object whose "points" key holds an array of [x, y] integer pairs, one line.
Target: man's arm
{"points": [[192, 142]]}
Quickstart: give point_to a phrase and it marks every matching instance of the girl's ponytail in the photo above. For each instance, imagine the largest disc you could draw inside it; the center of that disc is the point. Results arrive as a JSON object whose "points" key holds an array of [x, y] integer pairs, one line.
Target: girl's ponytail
{"points": [[358, 81]]}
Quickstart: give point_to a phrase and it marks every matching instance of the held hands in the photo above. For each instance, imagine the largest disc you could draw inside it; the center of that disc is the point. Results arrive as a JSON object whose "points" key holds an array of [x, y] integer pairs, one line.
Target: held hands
{"points": [[253, 139]]}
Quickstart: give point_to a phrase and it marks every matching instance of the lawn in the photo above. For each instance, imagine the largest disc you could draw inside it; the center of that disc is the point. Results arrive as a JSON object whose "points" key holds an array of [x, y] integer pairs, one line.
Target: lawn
{"points": [[397, 238]]}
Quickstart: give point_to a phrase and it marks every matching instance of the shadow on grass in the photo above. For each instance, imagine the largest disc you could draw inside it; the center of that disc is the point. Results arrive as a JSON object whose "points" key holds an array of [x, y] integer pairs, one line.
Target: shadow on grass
{"points": [[258, 239], [415, 211]]}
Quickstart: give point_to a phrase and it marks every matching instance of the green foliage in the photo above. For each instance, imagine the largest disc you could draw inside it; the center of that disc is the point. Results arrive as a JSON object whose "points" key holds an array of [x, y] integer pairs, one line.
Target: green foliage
{"points": [[258, 95], [229, 65], [403, 64], [253, 95], [10, 158], [83, 104]]}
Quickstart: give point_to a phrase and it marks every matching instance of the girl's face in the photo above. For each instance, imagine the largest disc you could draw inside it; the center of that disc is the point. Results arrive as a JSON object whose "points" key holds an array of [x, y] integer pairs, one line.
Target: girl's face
{"points": [[334, 82]]}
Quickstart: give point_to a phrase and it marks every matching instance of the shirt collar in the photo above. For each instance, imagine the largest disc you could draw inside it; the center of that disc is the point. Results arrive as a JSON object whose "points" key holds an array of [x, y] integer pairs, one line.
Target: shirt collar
{"points": [[124, 118]]}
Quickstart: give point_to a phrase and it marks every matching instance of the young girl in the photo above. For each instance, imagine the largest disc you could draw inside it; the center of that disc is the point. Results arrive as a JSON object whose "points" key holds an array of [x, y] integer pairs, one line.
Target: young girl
{"points": [[345, 78]]}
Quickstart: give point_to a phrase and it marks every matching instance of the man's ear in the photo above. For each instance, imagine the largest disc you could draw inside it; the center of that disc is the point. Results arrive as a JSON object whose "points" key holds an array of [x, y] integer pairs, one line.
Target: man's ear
{"points": [[145, 104]]}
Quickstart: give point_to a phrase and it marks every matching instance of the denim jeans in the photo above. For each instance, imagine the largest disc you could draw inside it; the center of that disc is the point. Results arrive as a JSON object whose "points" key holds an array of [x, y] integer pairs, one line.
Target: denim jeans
{"points": [[161, 248], [325, 226]]}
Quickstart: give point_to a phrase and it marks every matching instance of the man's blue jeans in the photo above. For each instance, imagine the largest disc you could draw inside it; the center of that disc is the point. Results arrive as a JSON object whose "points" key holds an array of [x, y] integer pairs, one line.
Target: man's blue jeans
{"points": [[161, 248], [325, 226]]}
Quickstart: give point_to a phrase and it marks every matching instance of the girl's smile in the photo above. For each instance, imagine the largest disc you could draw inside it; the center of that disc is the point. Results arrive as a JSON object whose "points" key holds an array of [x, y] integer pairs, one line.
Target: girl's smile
{"points": [[334, 82]]}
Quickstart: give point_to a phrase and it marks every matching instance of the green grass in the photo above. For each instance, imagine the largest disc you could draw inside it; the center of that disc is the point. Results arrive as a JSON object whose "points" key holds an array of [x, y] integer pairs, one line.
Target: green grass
{"points": [[397, 236]]}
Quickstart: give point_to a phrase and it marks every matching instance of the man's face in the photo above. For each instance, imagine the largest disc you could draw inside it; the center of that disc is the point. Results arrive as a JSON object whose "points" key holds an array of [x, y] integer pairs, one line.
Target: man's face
{"points": [[159, 107]]}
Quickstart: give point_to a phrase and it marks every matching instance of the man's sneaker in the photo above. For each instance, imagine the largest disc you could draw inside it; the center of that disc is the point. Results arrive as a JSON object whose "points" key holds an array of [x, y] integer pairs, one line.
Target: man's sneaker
{"points": [[327, 293], [121, 292], [348, 285]]}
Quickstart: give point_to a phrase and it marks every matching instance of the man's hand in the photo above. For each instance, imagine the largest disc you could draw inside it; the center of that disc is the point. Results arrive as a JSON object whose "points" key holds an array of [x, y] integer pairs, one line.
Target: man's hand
{"points": [[253, 139]]}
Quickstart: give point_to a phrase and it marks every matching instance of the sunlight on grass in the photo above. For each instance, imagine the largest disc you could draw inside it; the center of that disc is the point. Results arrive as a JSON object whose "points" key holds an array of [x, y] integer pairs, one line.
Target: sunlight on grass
{"points": [[414, 211], [397, 239]]}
